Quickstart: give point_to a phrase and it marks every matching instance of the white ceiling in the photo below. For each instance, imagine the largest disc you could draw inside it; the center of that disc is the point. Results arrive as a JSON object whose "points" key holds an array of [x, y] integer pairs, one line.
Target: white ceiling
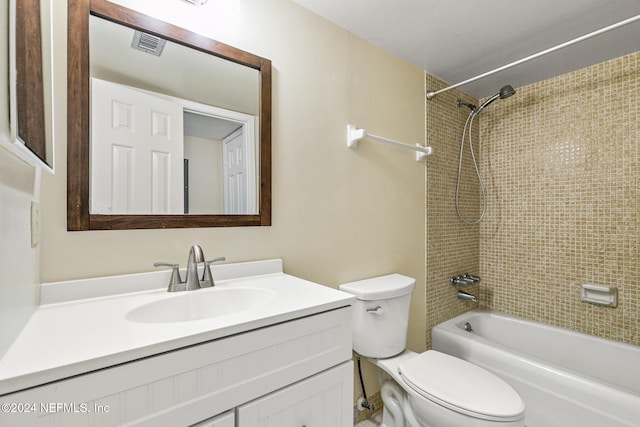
{"points": [[458, 39]]}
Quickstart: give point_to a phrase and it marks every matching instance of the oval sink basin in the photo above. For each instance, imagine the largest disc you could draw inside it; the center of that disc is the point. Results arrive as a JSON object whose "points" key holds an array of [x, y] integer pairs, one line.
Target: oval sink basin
{"points": [[201, 304]]}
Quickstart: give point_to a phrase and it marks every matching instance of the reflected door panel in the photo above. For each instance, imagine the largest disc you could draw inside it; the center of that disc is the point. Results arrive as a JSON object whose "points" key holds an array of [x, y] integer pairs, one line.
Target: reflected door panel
{"points": [[237, 192], [136, 152]]}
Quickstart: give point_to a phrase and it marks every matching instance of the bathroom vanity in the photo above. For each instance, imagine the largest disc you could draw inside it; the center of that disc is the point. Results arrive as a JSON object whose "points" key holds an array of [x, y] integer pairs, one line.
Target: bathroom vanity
{"points": [[283, 358]]}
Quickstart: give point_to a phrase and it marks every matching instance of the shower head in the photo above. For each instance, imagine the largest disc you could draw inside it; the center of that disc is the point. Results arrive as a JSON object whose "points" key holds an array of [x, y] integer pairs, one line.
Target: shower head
{"points": [[505, 92]]}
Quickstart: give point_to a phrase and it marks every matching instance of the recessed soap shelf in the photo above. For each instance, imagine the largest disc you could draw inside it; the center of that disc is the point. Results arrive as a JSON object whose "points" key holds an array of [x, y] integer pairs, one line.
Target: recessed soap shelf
{"points": [[600, 295]]}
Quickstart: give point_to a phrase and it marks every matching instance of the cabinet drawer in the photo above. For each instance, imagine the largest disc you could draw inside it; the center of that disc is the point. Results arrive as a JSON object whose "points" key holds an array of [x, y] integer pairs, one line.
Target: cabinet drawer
{"points": [[323, 400], [186, 386], [225, 420]]}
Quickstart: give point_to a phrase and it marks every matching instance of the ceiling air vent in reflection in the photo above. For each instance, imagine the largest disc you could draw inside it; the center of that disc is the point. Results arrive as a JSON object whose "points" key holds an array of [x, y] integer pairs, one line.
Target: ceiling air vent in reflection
{"points": [[148, 43], [196, 2]]}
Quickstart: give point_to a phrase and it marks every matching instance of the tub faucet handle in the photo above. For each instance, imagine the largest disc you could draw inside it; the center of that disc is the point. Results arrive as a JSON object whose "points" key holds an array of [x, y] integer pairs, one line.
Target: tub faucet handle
{"points": [[474, 279], [464, 280], [461, 281]]}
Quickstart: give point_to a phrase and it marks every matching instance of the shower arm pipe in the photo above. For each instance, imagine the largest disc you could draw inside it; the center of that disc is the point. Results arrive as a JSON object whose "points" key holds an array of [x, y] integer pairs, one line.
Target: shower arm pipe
{"points": [[622, 23], [354, 135]]}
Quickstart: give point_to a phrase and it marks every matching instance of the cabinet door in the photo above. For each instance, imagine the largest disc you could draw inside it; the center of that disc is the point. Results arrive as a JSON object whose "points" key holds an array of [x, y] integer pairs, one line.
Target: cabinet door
{"points": [[323, 400], [224, 420]]}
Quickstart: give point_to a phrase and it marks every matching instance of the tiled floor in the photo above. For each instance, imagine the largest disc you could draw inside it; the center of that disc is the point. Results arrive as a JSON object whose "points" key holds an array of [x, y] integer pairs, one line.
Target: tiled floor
{"points": [[374, 421]]}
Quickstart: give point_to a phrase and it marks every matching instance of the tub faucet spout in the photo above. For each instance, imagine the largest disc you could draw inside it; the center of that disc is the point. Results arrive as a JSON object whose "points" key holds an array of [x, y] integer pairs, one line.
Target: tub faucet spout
{"points": [[467, 297], [196, 256]]}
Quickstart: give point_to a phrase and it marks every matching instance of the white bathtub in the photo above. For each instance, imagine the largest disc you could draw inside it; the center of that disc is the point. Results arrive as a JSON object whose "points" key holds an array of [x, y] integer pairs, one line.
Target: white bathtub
{"points": [[566, 379]]}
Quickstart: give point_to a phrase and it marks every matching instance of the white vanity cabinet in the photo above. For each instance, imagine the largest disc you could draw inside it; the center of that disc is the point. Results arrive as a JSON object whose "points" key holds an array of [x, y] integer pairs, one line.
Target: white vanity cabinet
{"points": [[298, 372]]}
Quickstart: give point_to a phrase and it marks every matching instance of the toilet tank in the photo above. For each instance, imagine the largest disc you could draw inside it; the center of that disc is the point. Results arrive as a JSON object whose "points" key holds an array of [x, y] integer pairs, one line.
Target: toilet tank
{"points": [[380, 314]]}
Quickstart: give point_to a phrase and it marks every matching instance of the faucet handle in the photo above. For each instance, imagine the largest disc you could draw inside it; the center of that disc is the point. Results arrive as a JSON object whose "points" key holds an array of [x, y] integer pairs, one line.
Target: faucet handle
{"points": [[464, 280], [207, 278], [175, 282], [474, 279]]}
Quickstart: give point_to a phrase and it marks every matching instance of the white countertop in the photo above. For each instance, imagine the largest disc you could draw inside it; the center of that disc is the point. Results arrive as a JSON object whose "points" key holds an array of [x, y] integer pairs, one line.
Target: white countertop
{"points": [[68, 336]]}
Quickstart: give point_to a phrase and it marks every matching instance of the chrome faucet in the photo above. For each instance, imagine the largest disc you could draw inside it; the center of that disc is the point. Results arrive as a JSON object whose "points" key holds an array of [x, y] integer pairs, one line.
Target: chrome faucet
{"points": [[466, 296], [464, 280], [196, 256], [192, 282]]}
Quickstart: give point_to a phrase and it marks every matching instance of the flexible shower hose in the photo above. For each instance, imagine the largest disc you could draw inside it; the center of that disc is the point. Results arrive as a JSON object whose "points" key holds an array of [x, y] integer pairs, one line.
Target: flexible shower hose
{"points": [[469, 124]]}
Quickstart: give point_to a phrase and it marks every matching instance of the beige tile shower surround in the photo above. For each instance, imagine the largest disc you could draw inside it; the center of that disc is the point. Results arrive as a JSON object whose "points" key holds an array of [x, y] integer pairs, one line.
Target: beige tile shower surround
{"points": [[451, 246], [560, 160]]}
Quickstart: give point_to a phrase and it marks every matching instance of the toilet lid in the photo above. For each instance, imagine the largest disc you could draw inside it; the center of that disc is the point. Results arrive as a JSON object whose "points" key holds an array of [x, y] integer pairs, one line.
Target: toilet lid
{"points": [[461, 386], [382, 287]]}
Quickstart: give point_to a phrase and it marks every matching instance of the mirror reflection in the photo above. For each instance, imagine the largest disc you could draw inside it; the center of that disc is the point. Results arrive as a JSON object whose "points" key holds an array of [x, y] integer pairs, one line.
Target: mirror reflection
{"points": [[192, 84], [173, 130]]}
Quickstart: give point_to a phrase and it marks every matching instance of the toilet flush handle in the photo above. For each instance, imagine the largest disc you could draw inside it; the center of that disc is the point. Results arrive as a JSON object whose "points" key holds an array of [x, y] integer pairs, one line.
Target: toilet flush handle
{"points": [[377, 310]]}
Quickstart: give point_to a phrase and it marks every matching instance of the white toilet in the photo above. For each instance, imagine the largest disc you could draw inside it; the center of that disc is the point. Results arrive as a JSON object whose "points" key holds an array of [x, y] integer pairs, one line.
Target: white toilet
{"points": [[430, 389]]}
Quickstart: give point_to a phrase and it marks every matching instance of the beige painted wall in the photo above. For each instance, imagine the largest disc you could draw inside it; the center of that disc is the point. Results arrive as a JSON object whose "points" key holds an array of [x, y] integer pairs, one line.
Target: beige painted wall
{"points": [[338, 214], [206, 193]]}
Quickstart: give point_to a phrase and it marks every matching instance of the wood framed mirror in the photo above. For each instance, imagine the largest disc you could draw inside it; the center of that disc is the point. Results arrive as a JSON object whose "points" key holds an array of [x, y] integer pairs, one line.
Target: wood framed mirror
{"points": [[30, 83], [85, 209]]}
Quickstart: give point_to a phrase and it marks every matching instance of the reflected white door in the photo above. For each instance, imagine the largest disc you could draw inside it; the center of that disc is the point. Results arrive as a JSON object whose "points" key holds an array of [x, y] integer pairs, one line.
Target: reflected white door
{"points": [[136, 152], [239, 195]]}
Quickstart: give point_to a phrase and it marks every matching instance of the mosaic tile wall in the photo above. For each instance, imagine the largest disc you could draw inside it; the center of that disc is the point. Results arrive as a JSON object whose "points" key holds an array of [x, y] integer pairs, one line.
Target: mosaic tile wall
{"points": [[451, 246], [561, 161]]}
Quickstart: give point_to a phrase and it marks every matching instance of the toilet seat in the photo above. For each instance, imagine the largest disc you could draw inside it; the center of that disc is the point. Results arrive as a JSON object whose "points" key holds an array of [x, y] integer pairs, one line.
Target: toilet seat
{"points": [[461, 386]]}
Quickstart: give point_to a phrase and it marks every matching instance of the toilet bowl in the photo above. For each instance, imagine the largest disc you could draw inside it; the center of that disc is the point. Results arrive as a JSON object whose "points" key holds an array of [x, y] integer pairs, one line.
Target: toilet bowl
{"points": [[429, 389]]}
